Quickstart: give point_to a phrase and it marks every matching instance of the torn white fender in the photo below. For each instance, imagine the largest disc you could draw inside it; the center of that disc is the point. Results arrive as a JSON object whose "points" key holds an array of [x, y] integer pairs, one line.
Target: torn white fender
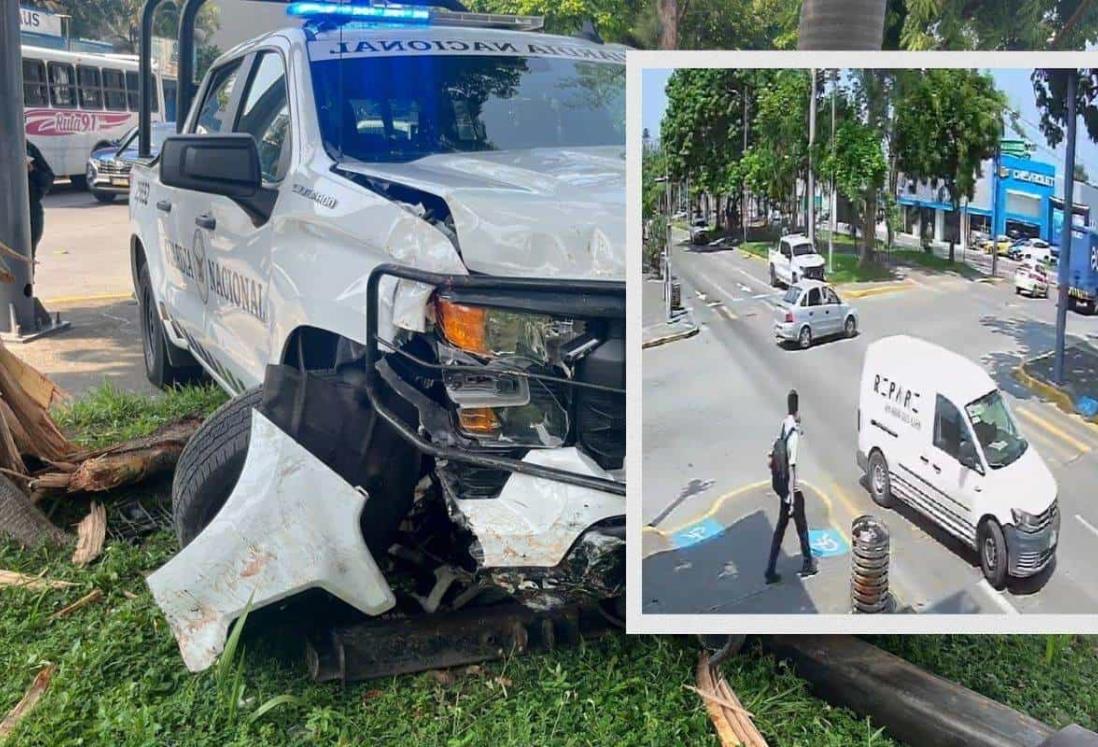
{"points": [[290, 524], [534, 521]]}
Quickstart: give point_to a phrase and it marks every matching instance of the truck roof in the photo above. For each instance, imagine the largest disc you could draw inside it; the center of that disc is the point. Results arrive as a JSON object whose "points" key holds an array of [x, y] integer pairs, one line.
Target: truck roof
{"points": [[913, 359]]}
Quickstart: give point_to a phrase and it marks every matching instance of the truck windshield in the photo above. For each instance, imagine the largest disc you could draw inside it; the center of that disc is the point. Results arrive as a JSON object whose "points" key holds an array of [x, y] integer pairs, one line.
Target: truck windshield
{"points": [[406, 107], [799, 250], [996, 430]]}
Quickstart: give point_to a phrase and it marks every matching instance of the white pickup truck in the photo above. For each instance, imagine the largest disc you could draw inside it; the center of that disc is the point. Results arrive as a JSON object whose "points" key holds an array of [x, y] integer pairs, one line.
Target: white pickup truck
{"points": [[794, 258], [437, 202]]}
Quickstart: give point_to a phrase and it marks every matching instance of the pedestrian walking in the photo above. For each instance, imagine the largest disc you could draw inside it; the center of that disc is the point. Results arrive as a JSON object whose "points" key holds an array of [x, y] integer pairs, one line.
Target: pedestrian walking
{"points": [[784, 479], [39, 181]]}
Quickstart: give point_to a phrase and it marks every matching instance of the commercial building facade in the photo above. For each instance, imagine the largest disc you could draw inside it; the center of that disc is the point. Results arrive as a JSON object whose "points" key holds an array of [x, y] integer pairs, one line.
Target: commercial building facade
{"points": [[1021, 198]]}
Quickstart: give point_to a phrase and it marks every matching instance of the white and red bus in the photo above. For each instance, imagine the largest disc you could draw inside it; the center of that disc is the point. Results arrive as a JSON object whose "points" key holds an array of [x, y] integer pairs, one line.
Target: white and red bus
{"points": [[76, 102]]}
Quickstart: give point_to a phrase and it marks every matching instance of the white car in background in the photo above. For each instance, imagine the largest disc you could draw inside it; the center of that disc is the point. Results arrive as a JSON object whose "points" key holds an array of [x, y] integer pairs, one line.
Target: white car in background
{"points": [[1031, 278]]}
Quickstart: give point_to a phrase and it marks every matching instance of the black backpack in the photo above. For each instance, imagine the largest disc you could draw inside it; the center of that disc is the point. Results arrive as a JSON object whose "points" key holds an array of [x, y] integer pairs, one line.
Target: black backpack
{"points": [[779, 463]]}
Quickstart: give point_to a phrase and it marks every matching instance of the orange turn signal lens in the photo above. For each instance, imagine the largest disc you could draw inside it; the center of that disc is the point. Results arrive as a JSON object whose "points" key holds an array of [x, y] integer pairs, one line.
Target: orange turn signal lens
{"points": [[463, 326], [479, 420]]}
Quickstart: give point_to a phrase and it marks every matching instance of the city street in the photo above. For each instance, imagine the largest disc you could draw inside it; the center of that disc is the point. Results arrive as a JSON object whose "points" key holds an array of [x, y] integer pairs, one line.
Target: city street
{"points": [[713, 405]]}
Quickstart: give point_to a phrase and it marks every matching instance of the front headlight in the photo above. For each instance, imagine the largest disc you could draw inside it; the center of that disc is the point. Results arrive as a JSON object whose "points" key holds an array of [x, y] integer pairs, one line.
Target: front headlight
{"points": [[494, 401], [1024, 521]]}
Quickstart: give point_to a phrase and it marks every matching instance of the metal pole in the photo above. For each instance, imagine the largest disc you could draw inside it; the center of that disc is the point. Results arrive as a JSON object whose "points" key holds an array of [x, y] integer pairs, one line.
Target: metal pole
{"points": [[17, 307], [22, 317], [1065, 232], [811, 176], [187, 15], [743, 187], [667, 249], [834, 197], [144, 74], [996, 213]]}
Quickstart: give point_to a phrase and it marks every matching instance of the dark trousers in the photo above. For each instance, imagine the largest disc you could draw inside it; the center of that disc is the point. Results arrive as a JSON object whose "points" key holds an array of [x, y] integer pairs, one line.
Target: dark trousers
{"points": [[779, 531], [38, 225]]}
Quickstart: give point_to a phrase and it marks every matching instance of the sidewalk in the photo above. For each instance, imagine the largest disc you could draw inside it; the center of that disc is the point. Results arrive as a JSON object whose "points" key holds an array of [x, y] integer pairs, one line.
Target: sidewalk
{"points": [[1079, 392], [715, 562], [656, 328]]}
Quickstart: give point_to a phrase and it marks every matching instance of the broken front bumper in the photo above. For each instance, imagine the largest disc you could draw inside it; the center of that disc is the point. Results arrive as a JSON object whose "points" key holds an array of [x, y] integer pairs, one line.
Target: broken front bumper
{"points": [[550, 497], [290, 524]]}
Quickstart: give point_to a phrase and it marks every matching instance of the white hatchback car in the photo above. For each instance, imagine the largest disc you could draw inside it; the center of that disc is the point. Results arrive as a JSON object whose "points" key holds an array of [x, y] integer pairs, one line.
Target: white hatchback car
{"points": [[1031, 278]]}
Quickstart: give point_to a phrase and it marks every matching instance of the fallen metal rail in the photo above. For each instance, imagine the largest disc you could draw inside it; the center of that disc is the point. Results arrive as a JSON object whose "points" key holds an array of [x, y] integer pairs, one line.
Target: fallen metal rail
{"points": [[385, 648]]}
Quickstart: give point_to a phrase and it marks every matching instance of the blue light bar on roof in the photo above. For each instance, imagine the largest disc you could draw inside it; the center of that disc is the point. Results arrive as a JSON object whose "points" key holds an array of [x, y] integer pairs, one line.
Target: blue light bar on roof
{"points": [[385, 13]]}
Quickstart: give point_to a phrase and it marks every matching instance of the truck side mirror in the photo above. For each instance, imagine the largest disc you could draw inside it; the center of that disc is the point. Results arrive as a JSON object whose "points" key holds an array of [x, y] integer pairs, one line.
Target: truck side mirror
{"points": [[226, 165]]}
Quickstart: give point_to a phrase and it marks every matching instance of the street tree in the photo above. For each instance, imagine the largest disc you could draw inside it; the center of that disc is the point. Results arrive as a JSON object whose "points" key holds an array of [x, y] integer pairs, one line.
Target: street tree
{"points": [[615, 20], [947, 124], [855, 160], [777, 155], [702, 131], [119, 21], [991, 24], [1050, 91]]}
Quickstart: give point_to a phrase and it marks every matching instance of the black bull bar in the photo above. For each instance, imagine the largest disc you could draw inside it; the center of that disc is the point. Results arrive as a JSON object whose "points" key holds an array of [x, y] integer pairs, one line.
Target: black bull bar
{"points": [[583, 298]]}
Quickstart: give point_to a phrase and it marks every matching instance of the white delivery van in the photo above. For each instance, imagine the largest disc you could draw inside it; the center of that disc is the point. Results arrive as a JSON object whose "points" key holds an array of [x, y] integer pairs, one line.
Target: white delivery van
{"points": [[935, 432]]}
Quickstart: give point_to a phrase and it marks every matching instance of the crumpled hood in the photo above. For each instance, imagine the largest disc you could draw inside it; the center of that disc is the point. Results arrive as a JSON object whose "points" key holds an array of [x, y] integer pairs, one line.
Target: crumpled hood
{"points": [[546, 212], [809, 260]]}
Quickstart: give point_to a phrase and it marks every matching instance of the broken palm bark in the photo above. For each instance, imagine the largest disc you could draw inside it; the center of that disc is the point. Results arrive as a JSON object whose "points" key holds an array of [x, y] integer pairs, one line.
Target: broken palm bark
{"points": [[35, 583], [124, 464], [29, 701], [22, 521], [730, 719], [90, 535]]}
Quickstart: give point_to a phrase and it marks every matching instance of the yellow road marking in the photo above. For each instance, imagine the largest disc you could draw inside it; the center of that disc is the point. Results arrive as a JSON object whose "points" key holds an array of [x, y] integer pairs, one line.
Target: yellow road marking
{"points": [[1052, 448], [83, 299], [710, 511], [1055, 430], [878, 290]]}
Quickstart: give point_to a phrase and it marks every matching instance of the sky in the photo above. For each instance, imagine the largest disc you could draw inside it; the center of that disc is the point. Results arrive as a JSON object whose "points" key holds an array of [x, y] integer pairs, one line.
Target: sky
{"points": [[1014, 83]]}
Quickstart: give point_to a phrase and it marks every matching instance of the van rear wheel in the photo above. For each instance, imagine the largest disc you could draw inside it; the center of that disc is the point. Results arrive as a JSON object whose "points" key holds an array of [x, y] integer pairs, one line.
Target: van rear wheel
{"points": [[993, 553], [880, 485]]}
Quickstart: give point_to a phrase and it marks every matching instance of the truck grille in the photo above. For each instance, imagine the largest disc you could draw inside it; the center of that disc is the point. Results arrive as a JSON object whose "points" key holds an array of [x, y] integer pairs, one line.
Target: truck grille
{"points": [[1046, 517], [814, 273], [114, 168], [1028, 563]]}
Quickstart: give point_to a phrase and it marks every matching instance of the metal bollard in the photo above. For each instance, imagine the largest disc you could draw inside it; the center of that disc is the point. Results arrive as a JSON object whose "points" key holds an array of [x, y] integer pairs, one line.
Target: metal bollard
{"points": [[869, 566], [676, 295]]}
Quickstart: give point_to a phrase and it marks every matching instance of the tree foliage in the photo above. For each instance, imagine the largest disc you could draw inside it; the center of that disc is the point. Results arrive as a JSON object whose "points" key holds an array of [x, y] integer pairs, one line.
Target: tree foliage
{"points": [[1050, 90], [119, 21]]}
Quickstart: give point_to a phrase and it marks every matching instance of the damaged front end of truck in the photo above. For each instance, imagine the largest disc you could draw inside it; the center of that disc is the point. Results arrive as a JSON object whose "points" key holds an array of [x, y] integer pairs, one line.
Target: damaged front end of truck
{"points": [[467, 474]]}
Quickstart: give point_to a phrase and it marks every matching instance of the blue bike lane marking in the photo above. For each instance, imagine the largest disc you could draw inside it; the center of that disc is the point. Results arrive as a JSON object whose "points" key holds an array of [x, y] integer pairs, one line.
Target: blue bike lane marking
{"points": [[827, 543], [700, 531]]}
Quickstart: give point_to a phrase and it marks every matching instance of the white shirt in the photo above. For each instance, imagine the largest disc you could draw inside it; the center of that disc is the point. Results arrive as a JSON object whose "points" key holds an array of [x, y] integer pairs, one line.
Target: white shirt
{"points": [[789, 425]]}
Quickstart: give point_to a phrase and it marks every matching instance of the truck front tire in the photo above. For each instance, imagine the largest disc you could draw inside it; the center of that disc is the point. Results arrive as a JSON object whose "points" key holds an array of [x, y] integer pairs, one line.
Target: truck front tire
{"points": [[210, 464], [992, 546], [880, 484], [158, 365]]}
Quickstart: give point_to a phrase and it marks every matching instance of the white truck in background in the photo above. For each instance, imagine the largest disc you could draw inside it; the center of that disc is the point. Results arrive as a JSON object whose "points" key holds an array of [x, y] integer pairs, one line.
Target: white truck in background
{"points": [[794, 258]]}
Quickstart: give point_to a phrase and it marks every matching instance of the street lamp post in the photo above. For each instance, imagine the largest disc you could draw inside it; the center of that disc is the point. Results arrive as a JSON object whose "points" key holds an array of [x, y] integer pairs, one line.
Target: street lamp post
{"points": [[811, 197], [834, 208]]}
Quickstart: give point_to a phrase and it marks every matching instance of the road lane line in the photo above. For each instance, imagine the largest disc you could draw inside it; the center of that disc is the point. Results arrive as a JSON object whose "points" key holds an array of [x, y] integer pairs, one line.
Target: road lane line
{"points": [[727, 314], [998, 598], [1055, 430], [1070, 421], [1087, 524]]}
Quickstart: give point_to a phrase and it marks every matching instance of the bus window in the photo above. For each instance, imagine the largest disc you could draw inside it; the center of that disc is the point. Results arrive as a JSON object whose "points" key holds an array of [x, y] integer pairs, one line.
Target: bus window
{"points": [[35, 92], [62, 90], [170, 93], [88, 84], [132, 90], [114, 89]]}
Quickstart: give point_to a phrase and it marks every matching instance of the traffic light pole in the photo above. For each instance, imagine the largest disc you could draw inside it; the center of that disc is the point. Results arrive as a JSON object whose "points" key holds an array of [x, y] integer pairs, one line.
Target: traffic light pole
{"points": [[22, 316]]}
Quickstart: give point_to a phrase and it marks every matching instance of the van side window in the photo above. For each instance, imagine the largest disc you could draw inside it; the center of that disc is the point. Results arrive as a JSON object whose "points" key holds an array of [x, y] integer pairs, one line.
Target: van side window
{"points": [[87, 82], [35, 92], [114, 89], [948, 427], [62, 85]]}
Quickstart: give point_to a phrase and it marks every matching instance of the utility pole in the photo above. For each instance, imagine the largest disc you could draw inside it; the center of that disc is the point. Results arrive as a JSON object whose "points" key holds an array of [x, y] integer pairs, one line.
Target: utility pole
{"points": [[996, 212], [743, 186], [833, 198], [1065, 233], [811, 196], [22, 317]]}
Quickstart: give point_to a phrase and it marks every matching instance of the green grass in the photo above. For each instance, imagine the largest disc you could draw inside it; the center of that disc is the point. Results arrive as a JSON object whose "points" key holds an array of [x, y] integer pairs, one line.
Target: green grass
{"points": [[107, 415], [120, 679]]}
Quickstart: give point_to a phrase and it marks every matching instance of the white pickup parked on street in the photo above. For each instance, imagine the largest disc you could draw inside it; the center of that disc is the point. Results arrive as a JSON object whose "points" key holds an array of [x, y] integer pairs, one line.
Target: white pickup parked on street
{"points": [[437, 202], [795, 258]]}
